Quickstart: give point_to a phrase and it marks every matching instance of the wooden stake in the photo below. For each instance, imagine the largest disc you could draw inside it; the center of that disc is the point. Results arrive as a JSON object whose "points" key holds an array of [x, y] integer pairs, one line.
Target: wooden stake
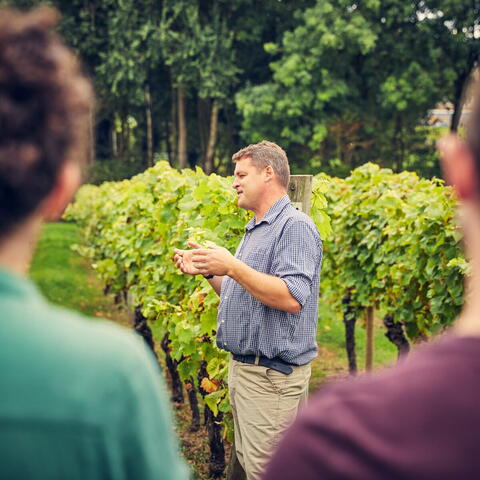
{"points": [[300, 192]]}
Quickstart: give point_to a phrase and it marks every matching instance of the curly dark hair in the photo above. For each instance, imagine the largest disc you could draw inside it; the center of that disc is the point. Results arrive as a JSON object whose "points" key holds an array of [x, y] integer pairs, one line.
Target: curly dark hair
{"points": [[45, 103]]}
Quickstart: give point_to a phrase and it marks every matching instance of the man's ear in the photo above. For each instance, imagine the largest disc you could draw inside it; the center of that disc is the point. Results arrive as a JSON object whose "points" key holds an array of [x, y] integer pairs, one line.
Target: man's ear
{"points": [[269, 173], [458, 165], [67, 182]]}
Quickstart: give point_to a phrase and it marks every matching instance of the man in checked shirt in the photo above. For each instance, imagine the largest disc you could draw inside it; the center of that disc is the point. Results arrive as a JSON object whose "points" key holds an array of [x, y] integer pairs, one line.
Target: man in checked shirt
{"points": [[268, 291]]}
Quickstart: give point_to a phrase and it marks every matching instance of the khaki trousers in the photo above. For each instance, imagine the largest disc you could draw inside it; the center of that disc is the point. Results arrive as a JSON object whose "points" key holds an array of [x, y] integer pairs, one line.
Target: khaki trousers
{"points": [[264, 403]]}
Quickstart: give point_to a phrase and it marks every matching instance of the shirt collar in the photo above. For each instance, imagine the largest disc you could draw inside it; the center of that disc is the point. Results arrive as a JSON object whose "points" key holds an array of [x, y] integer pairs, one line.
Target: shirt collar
{"points": [[272, 213]]}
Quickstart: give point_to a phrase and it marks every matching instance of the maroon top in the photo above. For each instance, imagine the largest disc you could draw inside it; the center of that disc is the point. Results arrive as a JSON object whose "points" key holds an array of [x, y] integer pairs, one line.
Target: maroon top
{"points": [[419, 420]]}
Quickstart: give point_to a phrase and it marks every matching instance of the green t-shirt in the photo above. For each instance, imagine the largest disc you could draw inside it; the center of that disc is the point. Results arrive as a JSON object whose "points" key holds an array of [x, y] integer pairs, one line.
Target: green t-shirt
{"points": [[79, 399]]}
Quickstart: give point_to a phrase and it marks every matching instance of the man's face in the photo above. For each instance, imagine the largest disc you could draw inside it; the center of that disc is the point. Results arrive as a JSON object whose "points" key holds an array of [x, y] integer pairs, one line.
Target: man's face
{"points": [[249, 183]]}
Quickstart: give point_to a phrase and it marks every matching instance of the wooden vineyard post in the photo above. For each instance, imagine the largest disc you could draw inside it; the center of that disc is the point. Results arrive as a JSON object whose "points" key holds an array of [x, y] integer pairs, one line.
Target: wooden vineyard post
{"points": [[300, 192], [369, 338]]}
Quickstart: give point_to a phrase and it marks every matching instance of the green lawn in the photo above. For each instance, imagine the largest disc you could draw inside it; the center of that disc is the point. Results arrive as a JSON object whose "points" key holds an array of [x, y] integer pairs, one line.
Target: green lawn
{"points": [[65, 278]]}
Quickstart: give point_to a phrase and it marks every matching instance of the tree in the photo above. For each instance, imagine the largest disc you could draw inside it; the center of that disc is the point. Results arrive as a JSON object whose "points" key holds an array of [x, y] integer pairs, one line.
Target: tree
{"points": [[353, 82], [456, 24], [208, 47]]}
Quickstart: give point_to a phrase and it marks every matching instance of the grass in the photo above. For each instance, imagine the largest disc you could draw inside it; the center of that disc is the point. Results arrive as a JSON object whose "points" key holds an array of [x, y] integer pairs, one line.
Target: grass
{"points": [[331, 362], [65, 278]]}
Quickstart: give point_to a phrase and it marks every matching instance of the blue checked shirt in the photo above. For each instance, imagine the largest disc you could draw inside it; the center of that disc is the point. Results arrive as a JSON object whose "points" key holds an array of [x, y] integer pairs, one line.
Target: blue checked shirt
{"points": [[286, 244]]}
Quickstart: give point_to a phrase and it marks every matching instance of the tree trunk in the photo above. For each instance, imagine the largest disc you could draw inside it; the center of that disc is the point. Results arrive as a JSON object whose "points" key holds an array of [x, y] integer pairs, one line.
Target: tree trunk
{"points": [[91, 135], [177, 386], [349, 320], [202, 124], [217, 449], [122, 138], [193, 400], [130, 137], [182, 128], [396, 335], [168, 144], [149, 123], [174, 129], [232, 135], [369, 338], [398, 143], [140, 325], [214, 429], [212, 138], [114, 139]]}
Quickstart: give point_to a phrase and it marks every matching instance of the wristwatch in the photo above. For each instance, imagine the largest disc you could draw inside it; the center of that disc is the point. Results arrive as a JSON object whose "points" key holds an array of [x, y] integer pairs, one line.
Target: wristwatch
{"points": [[208, 277]]}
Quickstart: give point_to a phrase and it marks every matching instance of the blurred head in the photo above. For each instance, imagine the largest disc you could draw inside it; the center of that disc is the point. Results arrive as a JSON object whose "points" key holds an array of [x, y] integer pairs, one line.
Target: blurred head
{"points": [[473, 132], [461, 159], [45, 103], [261, 173]]}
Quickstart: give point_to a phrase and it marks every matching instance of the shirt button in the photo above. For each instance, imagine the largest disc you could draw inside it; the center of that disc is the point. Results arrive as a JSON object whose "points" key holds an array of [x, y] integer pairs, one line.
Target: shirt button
{"points": [[225, 297]]}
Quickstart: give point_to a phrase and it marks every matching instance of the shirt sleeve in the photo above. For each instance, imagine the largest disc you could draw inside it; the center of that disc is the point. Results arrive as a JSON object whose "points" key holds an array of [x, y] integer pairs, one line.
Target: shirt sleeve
{"points": [[297, 255], [149, 448]]}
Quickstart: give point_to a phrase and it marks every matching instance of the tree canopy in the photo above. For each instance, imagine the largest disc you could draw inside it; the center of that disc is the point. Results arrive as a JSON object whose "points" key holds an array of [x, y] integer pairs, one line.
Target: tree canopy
{"points": [[335, 82]]}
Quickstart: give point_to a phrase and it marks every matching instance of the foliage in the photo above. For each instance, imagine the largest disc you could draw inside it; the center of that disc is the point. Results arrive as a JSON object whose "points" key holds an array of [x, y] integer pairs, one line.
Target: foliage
{"points": [[335, 82], [396, 244], [353, 81]]}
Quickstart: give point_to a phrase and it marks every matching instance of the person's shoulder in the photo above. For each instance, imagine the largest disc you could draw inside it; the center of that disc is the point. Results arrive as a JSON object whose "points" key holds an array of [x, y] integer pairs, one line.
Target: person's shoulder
{"points": [[383, 420], [95, 345], [294, 216], [434, 369], [300, 224]]}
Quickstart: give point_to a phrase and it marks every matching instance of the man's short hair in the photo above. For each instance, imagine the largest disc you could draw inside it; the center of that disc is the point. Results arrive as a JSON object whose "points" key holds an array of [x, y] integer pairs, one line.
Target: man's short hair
{"points": [[265, 153], [45, 103]]}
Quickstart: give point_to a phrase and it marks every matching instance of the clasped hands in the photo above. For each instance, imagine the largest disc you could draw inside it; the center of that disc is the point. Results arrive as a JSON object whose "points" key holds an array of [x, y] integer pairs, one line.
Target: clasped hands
{"points": [[211, 260]]}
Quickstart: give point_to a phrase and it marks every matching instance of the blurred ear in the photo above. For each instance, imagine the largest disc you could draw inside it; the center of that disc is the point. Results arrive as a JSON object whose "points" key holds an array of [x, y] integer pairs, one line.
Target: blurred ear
{"points": [[458, 167], [67, 183]]}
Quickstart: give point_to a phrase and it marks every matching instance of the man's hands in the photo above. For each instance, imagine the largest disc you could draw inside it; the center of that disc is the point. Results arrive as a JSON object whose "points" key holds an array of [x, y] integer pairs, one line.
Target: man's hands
{"points": [[213, 260], [218, 261], [184, 261]]}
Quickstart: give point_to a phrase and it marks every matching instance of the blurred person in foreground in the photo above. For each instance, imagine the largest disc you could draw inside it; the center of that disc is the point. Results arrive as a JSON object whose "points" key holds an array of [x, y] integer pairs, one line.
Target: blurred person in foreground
{"points": [[79, 399], [421, 419]]}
